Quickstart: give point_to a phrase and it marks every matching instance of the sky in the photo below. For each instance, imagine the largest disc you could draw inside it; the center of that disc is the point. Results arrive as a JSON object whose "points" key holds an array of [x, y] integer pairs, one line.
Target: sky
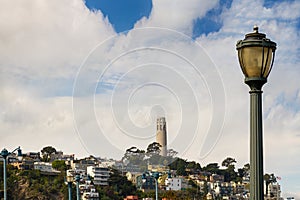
{"points": [[91, 77]]}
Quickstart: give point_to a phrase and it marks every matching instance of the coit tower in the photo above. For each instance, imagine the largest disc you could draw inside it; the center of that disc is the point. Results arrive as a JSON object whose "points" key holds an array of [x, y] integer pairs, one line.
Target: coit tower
{"points": [[161, 135]]}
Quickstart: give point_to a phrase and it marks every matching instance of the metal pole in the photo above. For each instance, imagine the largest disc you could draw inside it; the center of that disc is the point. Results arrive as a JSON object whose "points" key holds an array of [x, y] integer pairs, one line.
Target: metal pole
{"points": [[77, 191], [70, 190], [4, 177], [156, 189], [256, 145], [77, 179], [277, 192]]}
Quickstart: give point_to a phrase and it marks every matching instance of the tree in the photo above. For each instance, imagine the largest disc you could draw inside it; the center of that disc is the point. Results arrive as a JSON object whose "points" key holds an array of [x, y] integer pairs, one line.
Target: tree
{"points": [[135, 156], [171, 152], [133, 151], [153, 148], [46, 152], [228, 161], [120, 184], [269, 178], [212, 168], [59, 165], [247, 167], [181, 166], [243, 172], [193, 166], [229, 174]]}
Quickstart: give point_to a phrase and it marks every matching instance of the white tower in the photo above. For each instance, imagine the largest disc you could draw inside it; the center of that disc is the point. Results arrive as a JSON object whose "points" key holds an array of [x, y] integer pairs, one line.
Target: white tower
{"points": [[161, 135]]}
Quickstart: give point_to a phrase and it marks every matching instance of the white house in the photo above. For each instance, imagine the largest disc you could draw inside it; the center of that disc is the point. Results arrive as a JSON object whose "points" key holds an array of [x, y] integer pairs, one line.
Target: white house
{"points": [[90, 195], [173, 183], [100, 174], [44, 167]]}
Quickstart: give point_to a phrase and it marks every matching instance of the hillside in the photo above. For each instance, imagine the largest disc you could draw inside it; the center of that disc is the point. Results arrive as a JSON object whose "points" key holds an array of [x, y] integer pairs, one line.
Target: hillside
{"points": [[31, 184]]}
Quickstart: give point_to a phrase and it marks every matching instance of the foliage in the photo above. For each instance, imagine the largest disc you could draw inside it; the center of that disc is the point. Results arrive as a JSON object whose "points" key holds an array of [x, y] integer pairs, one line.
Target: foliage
{"points": [[118, 188], [122, 185], [228, 161], [184, 167], [135, 156], [179, 165], [212, 168], [193, 166], [243, 172], [190, 193], [171, 152], [31, 184], [153, 148], [141, 158], [59, 165], [229, 173], [46, 152], [269, 178]]}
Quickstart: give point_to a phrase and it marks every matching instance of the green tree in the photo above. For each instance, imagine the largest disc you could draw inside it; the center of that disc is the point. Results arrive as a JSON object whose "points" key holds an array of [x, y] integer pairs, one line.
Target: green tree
{"points": [[153, 148], [31, 184], [228, 161], [193, 166], [269, 178], [59, 165], [46, 152], [180, 167], [120, 184], [135, 156], [212, 168], [229, 173], [171, 153]]}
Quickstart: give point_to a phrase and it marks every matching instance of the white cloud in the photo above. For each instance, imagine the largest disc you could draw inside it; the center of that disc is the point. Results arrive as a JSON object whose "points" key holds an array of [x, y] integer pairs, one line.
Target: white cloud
{"points": [[42, 44], [42, 38], [176, 14]]}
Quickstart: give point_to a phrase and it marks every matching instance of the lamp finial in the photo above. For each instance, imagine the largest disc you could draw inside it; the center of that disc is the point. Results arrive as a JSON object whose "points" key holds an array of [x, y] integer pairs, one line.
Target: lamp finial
{"points": [[255, 28]]}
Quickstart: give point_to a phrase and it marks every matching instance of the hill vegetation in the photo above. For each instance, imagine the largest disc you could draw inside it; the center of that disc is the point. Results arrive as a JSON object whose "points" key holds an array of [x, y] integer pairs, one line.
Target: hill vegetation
{"points": [[32, 184]]}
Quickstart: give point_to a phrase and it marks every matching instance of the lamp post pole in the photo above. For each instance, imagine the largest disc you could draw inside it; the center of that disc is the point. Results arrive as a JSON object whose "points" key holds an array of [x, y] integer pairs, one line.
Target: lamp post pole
{"points": [[70, 190], [256, 141], [77, 179], [256, 56], [4, 154], [70, 179], [156, 176]]}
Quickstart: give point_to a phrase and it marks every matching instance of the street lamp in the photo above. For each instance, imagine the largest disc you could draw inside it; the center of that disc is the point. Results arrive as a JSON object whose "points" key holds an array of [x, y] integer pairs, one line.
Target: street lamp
{"points": [[77, 180], [5, 154], [155, 175], [256, 56], [70, 180]]}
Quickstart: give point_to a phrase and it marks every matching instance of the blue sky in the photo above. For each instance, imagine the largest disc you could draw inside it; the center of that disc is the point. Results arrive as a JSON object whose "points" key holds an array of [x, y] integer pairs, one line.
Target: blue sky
{"points": [[177, 58], [122, 14], [124, 19]]}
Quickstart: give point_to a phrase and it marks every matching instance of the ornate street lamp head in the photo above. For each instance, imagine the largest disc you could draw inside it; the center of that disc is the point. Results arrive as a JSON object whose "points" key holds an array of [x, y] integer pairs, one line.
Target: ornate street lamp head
{"points": [[4, 153], [70, 178], [19, 154], [144, 178], [256, 56]]}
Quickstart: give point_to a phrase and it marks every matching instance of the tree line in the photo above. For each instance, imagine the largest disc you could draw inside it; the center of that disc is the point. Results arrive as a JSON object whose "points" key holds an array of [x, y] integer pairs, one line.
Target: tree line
{"points": [[30, 184]]}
